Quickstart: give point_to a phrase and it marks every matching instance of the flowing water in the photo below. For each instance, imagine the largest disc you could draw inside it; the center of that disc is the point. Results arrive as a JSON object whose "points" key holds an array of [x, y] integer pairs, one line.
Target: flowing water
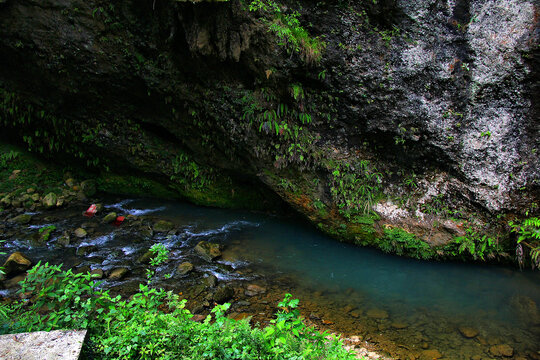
{"points": [[405, 306]]}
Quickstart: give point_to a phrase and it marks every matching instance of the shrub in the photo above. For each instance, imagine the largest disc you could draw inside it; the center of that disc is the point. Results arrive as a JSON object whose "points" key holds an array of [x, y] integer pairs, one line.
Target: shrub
{"points": [[139, 329]]}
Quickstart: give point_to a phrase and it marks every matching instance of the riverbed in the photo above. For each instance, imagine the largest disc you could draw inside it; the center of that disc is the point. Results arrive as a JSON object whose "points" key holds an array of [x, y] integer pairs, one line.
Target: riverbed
{"points": [[404, 307]]}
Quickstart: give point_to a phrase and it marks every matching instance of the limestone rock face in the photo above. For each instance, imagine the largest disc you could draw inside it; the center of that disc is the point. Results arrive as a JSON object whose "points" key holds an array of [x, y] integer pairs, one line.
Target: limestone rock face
{"points": [[431, 103]]}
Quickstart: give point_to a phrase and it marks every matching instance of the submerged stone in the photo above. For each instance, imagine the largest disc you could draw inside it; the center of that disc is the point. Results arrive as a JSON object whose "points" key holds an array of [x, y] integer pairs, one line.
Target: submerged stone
{"points": [[208, 251], [184, 268], [163, 226], [430, 354], [254, 290], [21, 219], [468, 332], [223, 293], [118, 273], [501, 350], [377, 314]]}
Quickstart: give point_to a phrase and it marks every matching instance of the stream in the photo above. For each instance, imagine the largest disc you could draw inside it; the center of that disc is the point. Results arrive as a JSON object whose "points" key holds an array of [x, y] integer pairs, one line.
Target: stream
{"points": [[401, 306]]}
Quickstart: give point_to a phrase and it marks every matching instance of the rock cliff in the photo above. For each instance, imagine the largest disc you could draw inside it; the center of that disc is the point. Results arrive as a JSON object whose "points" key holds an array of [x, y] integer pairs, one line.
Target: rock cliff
{"points": [[401, 124]]}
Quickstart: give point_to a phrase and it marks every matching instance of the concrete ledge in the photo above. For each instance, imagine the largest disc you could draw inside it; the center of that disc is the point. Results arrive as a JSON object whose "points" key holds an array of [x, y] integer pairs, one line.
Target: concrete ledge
{"points": [[42, 345]]}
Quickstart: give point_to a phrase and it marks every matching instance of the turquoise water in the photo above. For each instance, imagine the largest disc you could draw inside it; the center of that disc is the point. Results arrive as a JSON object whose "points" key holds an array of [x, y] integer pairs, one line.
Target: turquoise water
{"points": [[291, 246]]}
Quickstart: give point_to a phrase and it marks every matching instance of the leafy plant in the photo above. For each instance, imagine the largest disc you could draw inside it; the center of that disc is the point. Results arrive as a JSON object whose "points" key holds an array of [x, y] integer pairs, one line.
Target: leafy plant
{"points": [[400, 242], [289, 31], [528, 233], [140, 329]]}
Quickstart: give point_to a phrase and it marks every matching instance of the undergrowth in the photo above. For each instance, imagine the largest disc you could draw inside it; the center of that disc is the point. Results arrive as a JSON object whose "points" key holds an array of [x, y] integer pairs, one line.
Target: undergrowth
{"points": [[154, 324]]}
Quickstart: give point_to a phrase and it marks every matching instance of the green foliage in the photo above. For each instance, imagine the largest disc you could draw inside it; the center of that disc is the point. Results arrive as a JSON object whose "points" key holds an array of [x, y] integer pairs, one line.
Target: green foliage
{"points": [[46, 232], [7, 157], [138, 329], [528, 232], [355, 188], [475, 244], [289, 31], [188, 173], [400, 242]]}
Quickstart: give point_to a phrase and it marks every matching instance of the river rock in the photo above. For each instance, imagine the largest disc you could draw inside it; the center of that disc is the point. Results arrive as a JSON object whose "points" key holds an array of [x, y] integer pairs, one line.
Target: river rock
{"points": [[210, 281], [14, 281], [377, 314], [501, 350], [184, 268], [254, 290], [21, 219], [64, 240], [97, 274], [35, 197], [399, 325], [70, 183], [208, 251], [80, 232], [146, 257], [49, 200], [430, 354], [109, 218], [88, 187], [468, 332], [118, 273], [223, 293], [16, 262], [163, 226], [85, 250]]}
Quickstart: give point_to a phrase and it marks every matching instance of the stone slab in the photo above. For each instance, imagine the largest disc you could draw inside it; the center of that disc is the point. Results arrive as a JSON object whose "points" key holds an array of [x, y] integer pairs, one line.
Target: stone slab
{"points": [[42, 345]]}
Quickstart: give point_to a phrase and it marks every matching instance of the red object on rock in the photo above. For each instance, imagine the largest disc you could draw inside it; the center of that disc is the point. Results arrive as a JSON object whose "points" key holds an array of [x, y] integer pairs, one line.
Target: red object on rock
{"points": [[91, 211], [119, 220]]}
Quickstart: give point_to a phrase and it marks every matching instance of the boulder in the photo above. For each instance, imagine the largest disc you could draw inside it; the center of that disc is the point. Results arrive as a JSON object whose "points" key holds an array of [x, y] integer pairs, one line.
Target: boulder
{"points": [[21, 219], [109, 218], [501, 350], [223, 293], [16, 263], [184, 268], [208, 251], [118, 273], [80, 232], [163, 226], [49, 200]]}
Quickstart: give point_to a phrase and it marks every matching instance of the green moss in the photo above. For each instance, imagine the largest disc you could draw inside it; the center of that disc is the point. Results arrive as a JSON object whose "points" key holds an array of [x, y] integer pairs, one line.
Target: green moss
{"points": [[33, 173], [129, 185]]}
